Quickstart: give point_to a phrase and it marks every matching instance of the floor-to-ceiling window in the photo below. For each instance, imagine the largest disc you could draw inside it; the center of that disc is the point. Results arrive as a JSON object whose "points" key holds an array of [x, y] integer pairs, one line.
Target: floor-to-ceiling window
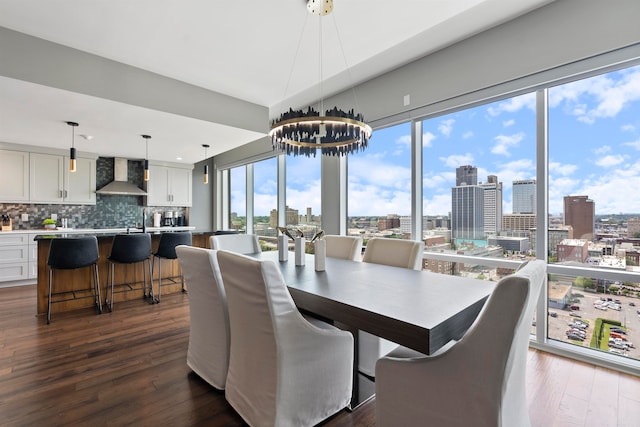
{"points": [[594, 212], [475, 162], [238, 198], [379, 185]]}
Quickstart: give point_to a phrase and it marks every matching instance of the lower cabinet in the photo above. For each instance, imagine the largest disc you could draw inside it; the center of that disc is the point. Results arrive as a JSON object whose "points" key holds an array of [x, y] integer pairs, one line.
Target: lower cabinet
{"points": [[14, 257]]}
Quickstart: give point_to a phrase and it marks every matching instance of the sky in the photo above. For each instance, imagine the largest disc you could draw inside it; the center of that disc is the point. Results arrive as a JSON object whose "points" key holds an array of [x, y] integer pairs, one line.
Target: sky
{"points": [[594, 150]]}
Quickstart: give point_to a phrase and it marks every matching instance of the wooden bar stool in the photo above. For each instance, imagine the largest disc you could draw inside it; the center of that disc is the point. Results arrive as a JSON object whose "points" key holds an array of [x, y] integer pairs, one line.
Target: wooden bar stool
{"points": [[167, 250], [72, 253], [129, 249]]}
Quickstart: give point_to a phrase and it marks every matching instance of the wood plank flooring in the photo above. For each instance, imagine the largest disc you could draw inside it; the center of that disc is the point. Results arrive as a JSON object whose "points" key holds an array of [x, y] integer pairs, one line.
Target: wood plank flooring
{"points": [[129, 368]]}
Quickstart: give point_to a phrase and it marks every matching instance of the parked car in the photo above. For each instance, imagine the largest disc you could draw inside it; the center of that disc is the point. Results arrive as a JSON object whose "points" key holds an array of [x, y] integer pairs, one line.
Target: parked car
{"points": [[600, 307], [574, 314], [553, 314], [618, 330], [574, 307], [617, 301], [574, 337], [615, 307], [618, 352], [619, 346], [632, 304]]}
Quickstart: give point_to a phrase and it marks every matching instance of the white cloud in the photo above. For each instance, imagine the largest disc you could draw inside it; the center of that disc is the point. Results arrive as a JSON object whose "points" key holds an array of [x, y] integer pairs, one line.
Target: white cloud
{"points": [[504, 142], [446, 126], [467, 135], [628, 128], [508, 123], [635, 144], [602, 150], [513, 105], [610, 96], [562, 169], [427, 137], [439, 204], [611, 160], [456, 160], [404, 140]]}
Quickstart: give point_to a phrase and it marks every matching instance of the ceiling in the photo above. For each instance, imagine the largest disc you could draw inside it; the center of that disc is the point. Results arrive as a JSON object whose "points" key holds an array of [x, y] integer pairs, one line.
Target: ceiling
{"points": [[263, 52]]}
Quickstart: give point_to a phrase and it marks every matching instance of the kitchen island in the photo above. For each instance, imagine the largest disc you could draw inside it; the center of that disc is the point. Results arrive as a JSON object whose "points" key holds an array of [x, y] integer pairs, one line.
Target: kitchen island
{"points": [[73, 289]]}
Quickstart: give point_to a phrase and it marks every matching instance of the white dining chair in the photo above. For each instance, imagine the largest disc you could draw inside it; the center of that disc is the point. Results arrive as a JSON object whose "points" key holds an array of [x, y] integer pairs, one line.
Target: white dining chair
{"points": [[397, 253], [240, 243], [208, 351], [476, 381], [345, 247], [283, 369]]}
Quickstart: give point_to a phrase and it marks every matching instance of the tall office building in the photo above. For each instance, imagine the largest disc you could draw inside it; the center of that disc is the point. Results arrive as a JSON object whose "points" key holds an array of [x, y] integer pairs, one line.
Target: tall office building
{"points": [[492, 205], [524, 196], [580, 214], [466, 175], [467, 212]]}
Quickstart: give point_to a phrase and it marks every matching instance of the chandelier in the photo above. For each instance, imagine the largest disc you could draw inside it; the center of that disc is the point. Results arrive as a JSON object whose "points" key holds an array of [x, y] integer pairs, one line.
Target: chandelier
{"points": [[336, 133]]}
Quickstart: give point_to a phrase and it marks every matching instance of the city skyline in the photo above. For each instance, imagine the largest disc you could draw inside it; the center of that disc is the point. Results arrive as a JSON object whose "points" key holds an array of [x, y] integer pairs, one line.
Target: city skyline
{"points": [[594, 146]]}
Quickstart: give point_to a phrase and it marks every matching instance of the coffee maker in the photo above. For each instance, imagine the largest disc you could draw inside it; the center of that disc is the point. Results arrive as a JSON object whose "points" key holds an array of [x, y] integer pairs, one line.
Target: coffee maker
{"points": [[168, 219]]}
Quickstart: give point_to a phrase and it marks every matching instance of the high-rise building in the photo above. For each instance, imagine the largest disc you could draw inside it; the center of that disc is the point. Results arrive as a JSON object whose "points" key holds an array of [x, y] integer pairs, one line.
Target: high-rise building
{"points": [[466, 175], [467, 212], [492, 205], [524, 196], [580, 213]]}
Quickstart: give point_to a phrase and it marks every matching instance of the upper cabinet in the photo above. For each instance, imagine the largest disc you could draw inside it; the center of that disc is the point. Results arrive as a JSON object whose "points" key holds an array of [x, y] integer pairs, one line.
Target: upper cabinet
{"points": [[169, 186], [15, 168], [50, 180]]}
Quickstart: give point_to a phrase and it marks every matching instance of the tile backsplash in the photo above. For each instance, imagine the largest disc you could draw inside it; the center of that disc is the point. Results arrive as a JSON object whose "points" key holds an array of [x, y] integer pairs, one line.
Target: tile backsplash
{"points": [[108, 212]]}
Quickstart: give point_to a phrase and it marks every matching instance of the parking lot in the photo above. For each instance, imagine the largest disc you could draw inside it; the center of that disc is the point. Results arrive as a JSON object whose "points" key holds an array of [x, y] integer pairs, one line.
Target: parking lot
{"points": [[627, 316]]}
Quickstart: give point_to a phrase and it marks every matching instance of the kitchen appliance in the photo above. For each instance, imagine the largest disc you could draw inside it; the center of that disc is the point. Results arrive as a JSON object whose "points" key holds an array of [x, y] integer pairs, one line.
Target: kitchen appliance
{"points": [[168, 219], [7, 223], [157, 219]]}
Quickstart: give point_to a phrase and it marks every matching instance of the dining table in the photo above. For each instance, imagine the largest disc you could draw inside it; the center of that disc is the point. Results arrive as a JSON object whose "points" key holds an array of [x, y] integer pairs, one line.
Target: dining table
{"points": [[421, 310]]}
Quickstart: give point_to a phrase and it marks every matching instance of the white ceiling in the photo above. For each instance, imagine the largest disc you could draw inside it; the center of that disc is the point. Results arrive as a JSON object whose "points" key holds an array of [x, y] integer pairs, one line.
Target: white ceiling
{"points": [[244, 49]]}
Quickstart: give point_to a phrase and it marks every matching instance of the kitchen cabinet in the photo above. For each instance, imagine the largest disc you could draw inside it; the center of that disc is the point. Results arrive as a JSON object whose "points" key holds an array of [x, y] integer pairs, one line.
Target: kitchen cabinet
{"points": [[14, 256], [50, 180], [15, 166], [169, 186]]}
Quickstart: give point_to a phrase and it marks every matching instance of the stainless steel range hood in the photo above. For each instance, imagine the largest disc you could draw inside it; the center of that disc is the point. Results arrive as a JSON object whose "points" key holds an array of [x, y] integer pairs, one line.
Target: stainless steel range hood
{"points": [[119, 185]]}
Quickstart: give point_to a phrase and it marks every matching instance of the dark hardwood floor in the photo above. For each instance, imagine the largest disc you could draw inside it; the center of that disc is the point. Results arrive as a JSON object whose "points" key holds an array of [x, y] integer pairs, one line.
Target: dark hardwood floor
{"points": [[129, 368]]}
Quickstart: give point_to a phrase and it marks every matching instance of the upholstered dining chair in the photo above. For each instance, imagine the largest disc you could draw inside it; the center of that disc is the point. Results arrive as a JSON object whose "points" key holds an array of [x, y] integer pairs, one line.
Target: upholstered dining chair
{"points": [[397, 253], [208, 351], [345, 247], [284, 370], [478, 380], [240, 243]]}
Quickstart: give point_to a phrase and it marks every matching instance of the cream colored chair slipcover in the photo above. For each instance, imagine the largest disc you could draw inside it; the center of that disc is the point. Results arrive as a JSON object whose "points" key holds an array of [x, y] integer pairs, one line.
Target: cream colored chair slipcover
{"points": [[240, 243], [477, 381], [283, 370], [208, 352], [345, 247], [397, 253]]}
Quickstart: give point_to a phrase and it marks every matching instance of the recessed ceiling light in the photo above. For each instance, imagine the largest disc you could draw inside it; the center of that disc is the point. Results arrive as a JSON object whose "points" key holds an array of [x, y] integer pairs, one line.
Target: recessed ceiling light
{"points": [[87, 137], [178, 158]]}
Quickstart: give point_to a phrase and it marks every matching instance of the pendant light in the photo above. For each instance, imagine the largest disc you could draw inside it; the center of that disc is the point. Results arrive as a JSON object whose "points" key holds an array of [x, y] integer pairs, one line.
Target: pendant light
{"points": [[146, 157], [72, 153], [205, 177]]}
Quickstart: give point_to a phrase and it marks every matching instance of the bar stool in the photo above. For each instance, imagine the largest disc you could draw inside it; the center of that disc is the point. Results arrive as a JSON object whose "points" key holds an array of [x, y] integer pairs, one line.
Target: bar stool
{"points": [[129, 249], [167, 250], [70, 254]]}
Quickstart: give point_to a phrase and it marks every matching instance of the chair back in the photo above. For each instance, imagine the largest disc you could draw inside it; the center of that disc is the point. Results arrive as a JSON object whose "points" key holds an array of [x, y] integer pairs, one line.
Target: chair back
{"points": [[208, 351], [169, 241], [130, 248], [73, 252], [283, 370], [240, 243], [394, 252], [345, 247]]}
